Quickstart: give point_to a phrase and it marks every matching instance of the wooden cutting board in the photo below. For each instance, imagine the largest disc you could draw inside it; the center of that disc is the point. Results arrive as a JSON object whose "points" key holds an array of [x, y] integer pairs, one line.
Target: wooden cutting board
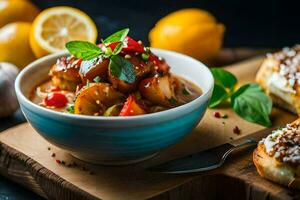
{"points": [[27, 159]]}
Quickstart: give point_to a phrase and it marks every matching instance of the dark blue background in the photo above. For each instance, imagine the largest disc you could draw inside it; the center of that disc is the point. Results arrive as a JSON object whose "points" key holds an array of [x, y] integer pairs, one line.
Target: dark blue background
{"points": [[262, 23], [255, 23]]}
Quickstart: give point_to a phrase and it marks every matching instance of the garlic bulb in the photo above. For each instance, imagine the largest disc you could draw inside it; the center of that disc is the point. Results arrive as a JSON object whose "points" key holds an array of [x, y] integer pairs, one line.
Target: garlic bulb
{"points": [[8, 100]]}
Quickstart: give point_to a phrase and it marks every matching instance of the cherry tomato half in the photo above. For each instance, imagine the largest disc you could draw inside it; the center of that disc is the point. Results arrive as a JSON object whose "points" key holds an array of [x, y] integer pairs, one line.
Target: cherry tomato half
{"points": [[56, 99]]}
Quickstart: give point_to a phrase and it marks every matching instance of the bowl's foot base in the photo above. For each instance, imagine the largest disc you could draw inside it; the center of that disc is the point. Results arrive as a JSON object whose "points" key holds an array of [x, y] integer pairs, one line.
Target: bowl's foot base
{"points": [[117, 162]]}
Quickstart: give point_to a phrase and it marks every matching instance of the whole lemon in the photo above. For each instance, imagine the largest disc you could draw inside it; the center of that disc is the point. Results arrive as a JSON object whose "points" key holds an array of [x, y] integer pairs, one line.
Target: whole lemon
{"points": [[17, 10], [191, 31], [14, 44]]}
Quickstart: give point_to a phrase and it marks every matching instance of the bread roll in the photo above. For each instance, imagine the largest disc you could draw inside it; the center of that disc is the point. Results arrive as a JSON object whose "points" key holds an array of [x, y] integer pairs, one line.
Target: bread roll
{"points": [[277, 157]]}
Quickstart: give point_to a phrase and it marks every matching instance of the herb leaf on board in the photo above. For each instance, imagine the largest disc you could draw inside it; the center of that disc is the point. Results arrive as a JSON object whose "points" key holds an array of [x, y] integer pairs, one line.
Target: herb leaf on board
{"points": [[224, 78], [218, 96], [252, 104], [249, 101]]}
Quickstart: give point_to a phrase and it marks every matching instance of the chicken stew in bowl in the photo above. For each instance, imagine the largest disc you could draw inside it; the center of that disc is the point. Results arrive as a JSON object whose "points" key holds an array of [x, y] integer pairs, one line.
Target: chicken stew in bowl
{"points": [[118, 77]]}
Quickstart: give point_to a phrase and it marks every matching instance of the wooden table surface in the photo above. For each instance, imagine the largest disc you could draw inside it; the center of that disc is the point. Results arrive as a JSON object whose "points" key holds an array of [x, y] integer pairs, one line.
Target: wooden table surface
{"points": [[10, 190]]}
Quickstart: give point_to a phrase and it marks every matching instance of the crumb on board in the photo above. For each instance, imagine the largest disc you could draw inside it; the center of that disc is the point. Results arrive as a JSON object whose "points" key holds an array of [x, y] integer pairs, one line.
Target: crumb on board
{"points": [[70, 163], [237, 130], [220, 115]]}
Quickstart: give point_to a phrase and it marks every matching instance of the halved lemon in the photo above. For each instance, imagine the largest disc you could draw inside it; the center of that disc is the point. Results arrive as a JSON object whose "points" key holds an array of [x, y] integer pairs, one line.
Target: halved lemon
{"points": [[56, 26]]}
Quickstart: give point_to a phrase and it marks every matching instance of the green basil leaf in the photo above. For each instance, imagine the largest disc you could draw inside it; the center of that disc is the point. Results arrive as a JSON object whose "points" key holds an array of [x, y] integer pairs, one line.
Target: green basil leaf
{"points": [[122, 69], [118, 49], [252, 104], [83, 49], [70, 108], [224, 78], [118, 36], [218, 96]]}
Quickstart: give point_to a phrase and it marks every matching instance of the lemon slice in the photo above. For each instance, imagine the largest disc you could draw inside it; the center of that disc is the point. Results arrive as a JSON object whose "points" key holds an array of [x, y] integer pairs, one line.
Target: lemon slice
{"points": [[54, 27]]}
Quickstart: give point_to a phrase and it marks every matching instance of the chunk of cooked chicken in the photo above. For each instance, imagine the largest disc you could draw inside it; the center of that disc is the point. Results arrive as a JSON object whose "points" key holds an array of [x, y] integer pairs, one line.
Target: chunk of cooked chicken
{"points": [[95, 98], [159, 90], [90, 69], [65, 73]]}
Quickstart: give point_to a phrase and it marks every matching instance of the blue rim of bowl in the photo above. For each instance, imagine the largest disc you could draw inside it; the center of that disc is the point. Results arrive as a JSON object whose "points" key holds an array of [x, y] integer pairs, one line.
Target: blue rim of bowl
{"points": [[150, 116]]}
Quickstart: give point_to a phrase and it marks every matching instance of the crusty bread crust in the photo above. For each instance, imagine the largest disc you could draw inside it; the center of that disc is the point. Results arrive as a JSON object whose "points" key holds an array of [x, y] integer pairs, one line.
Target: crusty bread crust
{"points": [[284, 173], [269, 168]]}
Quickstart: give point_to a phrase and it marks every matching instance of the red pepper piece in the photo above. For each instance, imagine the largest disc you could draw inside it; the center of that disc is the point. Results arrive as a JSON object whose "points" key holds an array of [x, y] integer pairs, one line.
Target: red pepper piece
{"points": [[161, 64], [111, 45], [130, 45], [132, 107], [56, 99], [153, 58]]}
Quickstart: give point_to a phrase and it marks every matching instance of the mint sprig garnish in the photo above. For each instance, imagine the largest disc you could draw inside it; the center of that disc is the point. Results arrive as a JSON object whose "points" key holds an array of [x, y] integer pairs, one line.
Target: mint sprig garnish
{"points": [[122, 68], [118, 49], [118, 36], [119, 66], [249, 101], [83, 49]]}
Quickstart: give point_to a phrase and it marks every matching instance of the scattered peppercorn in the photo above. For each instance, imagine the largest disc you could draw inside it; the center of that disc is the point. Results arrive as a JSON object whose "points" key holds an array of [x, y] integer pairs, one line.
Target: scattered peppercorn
{"points": [[237, 130], [49, 148], [73, 164], [217, 115], [231, 138]]}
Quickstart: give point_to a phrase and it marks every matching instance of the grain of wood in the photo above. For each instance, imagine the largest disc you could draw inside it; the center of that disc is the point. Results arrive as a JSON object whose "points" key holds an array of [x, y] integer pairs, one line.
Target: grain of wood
{"points": [[26, 159]]}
